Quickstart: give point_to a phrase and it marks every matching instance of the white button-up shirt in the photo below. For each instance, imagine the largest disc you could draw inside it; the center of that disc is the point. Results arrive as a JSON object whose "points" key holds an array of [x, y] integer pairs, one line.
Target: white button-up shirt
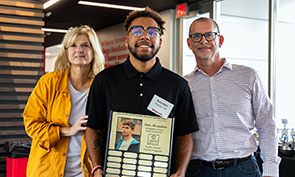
{"points": [[228, 106]]}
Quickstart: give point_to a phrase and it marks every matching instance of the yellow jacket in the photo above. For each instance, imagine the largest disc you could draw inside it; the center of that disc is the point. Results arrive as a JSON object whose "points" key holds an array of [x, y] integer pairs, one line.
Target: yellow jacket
{"points": [[47, 109]]}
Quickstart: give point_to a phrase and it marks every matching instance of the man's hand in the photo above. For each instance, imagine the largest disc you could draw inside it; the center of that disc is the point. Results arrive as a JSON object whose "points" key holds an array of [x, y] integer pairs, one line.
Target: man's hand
{"points": [[183, 147], [177, 175]]}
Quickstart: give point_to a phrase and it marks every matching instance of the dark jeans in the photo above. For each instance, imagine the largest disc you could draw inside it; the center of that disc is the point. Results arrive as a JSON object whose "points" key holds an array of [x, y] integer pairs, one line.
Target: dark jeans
{"points": [[248, 168]]}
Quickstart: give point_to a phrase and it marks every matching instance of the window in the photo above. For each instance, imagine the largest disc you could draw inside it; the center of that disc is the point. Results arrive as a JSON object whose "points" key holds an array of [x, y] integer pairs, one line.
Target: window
{"points": [[285, 62], [245, 34]]}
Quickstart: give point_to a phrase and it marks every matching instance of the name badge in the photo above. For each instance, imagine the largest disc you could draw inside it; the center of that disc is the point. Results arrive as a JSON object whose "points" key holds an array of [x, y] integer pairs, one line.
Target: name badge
{"points": [[160, 106]]}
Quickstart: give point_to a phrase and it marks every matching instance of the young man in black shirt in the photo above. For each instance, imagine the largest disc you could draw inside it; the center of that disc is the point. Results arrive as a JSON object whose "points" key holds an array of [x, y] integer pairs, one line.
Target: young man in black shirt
{"points": [[131, 86]]}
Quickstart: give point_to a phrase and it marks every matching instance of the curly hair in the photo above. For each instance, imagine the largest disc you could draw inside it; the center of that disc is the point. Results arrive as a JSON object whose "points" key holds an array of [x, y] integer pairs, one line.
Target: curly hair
{"points": [[148, 12], [62, 61]]}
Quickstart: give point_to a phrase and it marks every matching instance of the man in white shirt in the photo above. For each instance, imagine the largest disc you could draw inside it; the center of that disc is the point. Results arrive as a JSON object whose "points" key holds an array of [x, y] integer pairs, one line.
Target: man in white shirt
{"points": [[230, 102]]}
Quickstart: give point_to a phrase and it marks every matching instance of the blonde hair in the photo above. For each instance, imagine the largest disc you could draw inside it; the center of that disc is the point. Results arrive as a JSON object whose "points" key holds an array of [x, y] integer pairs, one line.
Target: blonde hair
{"points": [[62, 61]]}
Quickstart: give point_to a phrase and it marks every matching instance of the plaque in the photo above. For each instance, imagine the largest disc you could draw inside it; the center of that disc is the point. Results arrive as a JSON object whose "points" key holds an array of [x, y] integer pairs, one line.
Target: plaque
{"points": [[138, 145]]}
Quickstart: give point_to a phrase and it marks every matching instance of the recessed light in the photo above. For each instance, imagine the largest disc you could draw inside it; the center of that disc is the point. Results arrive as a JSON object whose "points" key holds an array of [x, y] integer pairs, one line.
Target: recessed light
{"points": [[55, 30], [49, 3], [110, 5]]}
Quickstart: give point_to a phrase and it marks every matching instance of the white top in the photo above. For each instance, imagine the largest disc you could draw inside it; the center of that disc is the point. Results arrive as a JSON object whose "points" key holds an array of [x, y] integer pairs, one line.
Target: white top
{"points": [[73, 163], [125, 144]]}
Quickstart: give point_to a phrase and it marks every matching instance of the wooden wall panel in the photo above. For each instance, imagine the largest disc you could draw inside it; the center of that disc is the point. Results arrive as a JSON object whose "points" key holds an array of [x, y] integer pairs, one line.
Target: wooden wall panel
{"points": [[21, 46], [17, 81], [21, 64], [20, 38], [21, 73], [13, 11], [21, 30], [14, 98], [21, 55], [12, 106], [8, 124], [16, 89], [28, 4], [21, 21]]}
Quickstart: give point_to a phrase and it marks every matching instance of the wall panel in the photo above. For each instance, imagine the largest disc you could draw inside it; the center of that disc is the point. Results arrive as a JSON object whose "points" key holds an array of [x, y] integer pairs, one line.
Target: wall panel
{"points": [[21, 46]]}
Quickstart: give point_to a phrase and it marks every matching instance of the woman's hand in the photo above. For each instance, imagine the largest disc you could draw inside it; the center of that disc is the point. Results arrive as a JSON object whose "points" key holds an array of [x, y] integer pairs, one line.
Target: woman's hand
{"points": [[79, 125]]}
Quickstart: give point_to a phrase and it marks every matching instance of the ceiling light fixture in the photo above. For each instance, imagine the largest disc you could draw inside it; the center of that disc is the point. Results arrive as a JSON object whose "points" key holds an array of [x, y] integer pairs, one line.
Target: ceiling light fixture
{"points": [[49, 3], [110, 5], [54, 30]]}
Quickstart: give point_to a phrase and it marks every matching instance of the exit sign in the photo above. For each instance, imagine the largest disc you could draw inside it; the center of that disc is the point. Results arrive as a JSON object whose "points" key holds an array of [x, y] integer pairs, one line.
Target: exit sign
{"points": [[182, 10]]}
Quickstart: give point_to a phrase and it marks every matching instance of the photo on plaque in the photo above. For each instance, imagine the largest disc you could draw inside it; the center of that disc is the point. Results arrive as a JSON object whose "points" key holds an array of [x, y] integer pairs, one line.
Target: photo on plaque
{"points": [[128, 134], [138, 145]]}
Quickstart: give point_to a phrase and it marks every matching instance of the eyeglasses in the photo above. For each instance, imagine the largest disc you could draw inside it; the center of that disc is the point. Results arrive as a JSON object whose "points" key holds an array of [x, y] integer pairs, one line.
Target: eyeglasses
{"points": [[138, 31], [197, 37]]}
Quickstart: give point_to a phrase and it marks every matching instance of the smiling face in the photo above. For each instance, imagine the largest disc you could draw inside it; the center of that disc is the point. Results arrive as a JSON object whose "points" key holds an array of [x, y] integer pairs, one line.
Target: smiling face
{"points": [[80, 53], [205, 50], [143, 47]]}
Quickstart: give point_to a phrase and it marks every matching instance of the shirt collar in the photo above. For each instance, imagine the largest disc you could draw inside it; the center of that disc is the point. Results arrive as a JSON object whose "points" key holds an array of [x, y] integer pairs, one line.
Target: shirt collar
{"points": [[226, 64], [153, 74]]}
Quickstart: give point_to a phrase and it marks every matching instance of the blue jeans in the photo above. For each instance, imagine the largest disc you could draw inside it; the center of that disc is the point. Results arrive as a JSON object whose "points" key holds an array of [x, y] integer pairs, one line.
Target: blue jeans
{"points": [[248, 168]]}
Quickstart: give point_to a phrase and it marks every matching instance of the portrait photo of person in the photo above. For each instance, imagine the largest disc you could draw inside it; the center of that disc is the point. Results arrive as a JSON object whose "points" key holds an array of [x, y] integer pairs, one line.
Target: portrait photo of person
{"points": [[128, 135]]}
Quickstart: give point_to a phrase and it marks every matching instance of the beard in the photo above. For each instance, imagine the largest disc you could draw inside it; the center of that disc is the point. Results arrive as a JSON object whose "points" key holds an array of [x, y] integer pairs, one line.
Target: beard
{"points": [[143, 57]]}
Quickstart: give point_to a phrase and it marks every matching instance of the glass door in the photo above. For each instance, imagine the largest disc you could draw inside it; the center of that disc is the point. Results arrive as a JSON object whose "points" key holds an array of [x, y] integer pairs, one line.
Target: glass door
{"points": [[187, 57]]}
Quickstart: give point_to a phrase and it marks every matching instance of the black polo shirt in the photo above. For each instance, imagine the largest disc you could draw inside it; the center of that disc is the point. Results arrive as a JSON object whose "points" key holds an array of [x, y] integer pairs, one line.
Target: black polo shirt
{"points": [[122, 88]]}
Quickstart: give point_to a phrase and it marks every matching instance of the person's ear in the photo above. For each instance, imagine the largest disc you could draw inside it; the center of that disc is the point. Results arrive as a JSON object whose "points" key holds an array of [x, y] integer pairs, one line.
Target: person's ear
{"points": [[126, 41], [221, 40], [188, 43]]}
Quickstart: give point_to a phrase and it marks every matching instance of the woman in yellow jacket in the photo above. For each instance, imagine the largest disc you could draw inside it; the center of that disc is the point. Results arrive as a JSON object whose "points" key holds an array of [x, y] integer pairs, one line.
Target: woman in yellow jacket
{"points": [[54, 116]]}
